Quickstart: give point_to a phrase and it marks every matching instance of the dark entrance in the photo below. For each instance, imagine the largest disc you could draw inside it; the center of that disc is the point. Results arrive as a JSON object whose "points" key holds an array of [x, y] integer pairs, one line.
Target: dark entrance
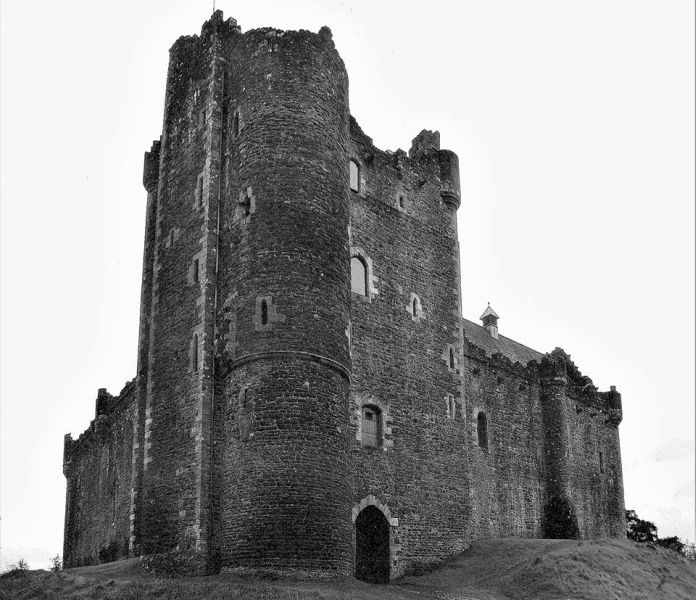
{"points": [[372, 546]]}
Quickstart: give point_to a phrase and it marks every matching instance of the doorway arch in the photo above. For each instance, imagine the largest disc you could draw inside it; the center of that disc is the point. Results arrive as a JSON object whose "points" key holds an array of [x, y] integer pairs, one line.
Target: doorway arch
{"points": [[372, 531]]}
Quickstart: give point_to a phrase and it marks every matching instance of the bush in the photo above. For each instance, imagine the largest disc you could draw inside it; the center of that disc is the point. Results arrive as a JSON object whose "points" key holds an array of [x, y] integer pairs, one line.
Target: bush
{"points": [[56, 564], [672, 543], [639, 530], [18, 568]]}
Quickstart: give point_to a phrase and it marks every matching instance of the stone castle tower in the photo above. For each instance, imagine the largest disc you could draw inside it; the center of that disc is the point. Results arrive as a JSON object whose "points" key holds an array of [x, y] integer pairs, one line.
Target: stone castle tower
{"points": [[308, 398]]}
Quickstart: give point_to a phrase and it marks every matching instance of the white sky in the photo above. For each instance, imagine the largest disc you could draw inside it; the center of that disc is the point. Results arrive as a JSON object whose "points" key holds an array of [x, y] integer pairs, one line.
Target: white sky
{"points": [[574, 126]]}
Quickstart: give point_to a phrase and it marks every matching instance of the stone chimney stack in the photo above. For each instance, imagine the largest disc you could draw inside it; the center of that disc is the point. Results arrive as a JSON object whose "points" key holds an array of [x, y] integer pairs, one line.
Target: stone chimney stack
{"points": [[490, 321]]}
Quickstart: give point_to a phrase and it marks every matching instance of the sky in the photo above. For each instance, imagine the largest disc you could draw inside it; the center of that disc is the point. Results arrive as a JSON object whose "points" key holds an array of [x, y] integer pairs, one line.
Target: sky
{"points": [[574, 126]]}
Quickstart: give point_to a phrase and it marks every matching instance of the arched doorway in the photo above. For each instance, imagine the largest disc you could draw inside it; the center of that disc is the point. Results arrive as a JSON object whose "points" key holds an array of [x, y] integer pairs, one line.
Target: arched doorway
{"points": [[372, 546]]}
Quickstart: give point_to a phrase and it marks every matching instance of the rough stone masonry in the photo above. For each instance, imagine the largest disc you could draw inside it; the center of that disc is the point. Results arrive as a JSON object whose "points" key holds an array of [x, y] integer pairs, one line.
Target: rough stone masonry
{"points": [[308, 398]]}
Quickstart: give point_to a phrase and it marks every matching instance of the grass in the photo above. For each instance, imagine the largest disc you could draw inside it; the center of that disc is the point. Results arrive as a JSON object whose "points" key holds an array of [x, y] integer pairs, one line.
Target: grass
{"points": [[507, 569]]}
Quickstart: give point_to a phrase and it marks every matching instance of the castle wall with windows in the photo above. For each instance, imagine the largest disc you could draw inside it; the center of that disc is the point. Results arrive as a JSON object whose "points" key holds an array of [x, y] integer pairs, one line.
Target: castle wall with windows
{"points": [[308, 398]]}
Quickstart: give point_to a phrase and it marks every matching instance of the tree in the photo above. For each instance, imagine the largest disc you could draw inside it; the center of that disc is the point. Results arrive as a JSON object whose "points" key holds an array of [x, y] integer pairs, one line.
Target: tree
{"points": [[639, 530]]}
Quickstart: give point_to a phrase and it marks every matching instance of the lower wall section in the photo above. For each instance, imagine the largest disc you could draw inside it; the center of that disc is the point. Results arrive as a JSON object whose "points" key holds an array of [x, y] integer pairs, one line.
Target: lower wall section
{"points": [[284, 491], [98, 471]]}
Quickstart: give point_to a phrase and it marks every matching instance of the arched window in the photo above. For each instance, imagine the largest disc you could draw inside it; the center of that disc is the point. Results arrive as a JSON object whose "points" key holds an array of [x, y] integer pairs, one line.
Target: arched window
{"points": [[264, 312], [194, 353], [414, 308], [451, 358], [354, 176], [358, 276], [371, 426], [482, 428]]}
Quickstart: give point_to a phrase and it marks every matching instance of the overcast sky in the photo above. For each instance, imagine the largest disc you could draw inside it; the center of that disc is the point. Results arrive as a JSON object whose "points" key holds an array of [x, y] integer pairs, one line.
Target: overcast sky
{"points": [[574, 126]]}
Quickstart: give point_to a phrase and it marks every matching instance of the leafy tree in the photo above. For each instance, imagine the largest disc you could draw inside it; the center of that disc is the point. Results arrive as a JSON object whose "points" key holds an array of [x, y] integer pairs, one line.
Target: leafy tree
{"points": [[639, 530]]}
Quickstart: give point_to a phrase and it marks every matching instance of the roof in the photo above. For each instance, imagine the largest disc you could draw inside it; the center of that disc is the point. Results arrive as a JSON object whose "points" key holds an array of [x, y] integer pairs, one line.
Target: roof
{"points": [[511, 349], [489, 311]]}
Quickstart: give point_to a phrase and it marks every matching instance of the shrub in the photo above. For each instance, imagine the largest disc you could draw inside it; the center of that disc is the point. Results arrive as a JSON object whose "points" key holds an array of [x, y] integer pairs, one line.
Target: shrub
{"points": [[56, 564], [639, 530]]}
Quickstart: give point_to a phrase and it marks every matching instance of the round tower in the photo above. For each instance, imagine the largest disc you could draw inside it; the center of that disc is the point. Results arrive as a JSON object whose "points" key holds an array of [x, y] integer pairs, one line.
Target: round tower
{"points": [[284, 307]]}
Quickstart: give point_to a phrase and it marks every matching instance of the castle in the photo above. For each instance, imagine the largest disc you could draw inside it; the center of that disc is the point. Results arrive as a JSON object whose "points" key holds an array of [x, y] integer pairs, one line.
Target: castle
{"points": [[308, 398]]}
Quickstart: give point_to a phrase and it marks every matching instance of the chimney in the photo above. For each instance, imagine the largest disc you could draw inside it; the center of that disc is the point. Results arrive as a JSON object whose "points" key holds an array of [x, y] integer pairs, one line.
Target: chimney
{"points": [[490, 321]]}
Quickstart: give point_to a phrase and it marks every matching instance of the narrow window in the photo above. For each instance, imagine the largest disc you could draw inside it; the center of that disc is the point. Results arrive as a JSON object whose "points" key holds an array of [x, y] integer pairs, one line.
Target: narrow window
{"points": [[482, 430], [194, 353], [354, 176], [601, 462], [401, 202], [195, 271], [415, 307], [453, 407], [264, 312], [371, 426], [235, 124], [358, 276], [451, 353], [199, 191], [171, 238], [201, 118]]}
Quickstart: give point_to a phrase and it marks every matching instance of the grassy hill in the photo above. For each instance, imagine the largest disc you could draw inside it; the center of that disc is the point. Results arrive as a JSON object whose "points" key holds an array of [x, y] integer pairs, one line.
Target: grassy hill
{"points": [[504, 569]]}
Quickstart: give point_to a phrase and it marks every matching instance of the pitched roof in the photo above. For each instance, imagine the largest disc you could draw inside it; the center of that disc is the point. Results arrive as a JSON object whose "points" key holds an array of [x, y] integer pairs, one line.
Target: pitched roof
{"points": [[513, 350], [489, 311]]}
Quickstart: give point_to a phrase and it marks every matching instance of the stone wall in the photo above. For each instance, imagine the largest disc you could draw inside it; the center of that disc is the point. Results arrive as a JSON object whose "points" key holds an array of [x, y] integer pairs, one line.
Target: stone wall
{"points": [[404, 231], [97, 467], [508, 476]]}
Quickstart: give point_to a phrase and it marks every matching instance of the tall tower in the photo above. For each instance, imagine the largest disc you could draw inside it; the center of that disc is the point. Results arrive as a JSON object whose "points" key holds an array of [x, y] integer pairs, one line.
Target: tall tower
{"points": [[241, 415]]}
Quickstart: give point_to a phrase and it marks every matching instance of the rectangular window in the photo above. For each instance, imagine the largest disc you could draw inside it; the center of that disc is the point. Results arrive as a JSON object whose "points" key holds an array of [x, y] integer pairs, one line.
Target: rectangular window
{"points": [[199, 191], [354, 176], [195, 271]]}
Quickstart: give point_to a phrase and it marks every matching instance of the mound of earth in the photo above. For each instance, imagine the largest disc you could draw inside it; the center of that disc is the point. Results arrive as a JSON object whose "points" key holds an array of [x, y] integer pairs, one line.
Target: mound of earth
{"points": [[504, 569]]}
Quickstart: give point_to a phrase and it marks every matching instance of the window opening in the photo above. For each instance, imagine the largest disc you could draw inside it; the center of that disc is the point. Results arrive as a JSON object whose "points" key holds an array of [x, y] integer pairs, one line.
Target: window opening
{"points": [[354, 176], [601, 462], [195, 352], [358, 276], [415, 307], [401, 202], [371, 426], [482, 427], [195, 271], [451, 358], [264, 312], [235, 123]]}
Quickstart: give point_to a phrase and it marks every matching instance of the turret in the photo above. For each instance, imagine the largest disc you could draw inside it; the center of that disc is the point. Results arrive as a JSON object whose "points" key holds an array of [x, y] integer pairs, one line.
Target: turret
{"points": [[560, 520], [613, 404], [426, 145], [285, 293]]}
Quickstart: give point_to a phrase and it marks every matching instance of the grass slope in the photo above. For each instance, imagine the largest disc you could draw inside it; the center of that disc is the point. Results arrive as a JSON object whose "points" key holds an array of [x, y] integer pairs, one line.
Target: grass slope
{"points": [[507, 569]]}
